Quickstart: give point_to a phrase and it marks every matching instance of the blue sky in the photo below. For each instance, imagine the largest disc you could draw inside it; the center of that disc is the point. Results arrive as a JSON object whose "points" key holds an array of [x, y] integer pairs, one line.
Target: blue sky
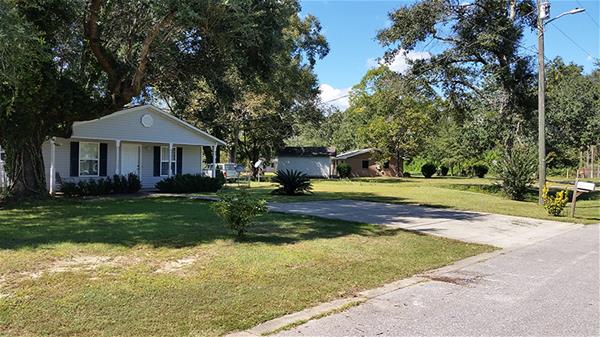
{"points": [[351, 26]]}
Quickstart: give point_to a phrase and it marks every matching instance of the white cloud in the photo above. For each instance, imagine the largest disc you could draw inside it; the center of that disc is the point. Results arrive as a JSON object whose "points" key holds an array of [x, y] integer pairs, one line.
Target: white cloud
{"points": [[400, 63], [373, 63], [335, 97]]}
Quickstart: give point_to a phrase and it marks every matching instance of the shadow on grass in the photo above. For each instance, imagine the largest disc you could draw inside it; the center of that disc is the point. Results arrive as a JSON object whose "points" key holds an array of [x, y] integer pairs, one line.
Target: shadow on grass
{"points": [[159, 222], [494, 189], [265, 193]]}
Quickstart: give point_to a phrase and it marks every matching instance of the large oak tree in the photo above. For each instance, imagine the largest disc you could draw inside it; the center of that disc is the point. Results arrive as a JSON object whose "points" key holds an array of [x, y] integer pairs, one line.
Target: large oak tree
{"points": [[83, 59], [482, 55]]}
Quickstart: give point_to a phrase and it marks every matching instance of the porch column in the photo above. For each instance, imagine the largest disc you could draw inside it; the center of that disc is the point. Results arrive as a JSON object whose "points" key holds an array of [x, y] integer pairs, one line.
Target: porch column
{"points": [[202, 160], [170, 159], [52, 166], [214, 163], [118, 159]]}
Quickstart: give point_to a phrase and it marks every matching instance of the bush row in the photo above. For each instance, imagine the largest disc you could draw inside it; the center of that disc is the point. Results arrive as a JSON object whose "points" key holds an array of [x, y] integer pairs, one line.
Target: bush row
{"points": [[191, 183], [117, 184], [429, 169]]}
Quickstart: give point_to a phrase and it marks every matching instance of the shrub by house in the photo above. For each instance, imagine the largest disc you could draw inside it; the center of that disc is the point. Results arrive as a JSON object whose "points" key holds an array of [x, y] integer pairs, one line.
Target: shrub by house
{"points": [[191, 183], [344, 170], [116, 185]]}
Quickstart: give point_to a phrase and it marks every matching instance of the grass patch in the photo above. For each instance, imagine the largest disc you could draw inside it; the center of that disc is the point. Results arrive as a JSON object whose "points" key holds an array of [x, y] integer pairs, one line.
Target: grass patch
{"points": [[168, 267], [473, 194]]}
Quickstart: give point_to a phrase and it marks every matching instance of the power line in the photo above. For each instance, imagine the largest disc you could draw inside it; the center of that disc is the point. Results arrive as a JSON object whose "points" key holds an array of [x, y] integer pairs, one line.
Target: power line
{"points": [[588, 14], [573, 41], [335, 99]]}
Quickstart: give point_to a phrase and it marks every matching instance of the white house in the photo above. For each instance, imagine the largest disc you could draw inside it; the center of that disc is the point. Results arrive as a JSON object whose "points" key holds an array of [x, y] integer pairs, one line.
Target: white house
{"points": [[144, 140], [312, 161]]}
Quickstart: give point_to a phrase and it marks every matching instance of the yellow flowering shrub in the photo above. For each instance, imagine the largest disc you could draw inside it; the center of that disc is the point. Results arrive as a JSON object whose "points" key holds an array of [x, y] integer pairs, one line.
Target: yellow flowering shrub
{"points": [[554, 204]]}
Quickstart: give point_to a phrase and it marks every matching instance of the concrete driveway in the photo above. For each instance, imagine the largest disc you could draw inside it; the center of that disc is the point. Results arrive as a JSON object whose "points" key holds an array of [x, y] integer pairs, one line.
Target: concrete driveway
{"points": [[497, 230]]}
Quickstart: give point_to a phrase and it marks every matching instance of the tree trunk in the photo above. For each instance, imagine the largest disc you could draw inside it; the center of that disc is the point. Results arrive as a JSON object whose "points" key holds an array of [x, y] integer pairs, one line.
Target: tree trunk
{"points": [[25, 168], [234, 146], [399, 166]]}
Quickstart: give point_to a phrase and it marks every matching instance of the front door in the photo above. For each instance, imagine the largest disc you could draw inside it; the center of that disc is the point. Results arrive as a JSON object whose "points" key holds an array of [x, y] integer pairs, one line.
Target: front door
{"points": [[131, 159]]}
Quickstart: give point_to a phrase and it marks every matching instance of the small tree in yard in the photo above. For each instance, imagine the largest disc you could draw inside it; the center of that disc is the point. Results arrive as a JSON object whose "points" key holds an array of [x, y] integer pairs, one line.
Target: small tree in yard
{"points": [[238, 210], [517, 168]]}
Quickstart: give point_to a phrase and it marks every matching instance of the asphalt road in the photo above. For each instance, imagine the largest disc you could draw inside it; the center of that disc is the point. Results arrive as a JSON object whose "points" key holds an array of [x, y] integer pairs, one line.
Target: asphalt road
{"points": [[549, 288]]}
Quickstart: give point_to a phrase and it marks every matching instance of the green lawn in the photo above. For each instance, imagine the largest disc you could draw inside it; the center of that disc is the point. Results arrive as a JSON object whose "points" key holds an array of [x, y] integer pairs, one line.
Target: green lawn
{"points": [[167, 267], [458, 193]]}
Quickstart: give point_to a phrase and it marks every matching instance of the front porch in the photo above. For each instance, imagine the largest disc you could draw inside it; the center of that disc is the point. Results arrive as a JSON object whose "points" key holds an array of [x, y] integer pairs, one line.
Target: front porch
{"points": [[77, 159]]}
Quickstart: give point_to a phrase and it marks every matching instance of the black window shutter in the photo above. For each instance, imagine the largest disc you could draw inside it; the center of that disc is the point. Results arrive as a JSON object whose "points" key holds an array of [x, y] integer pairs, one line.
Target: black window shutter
{"points": [[179, 160], [157, 161], [74, 167], [103, 159]]}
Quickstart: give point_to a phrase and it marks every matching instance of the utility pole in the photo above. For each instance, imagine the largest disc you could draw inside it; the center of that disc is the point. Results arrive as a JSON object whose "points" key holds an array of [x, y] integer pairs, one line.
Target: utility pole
{"points": [[542, 14], [543, 11]]}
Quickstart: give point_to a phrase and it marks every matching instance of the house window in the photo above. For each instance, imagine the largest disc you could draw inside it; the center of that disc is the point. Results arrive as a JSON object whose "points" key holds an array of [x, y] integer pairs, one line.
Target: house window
{"points": [[386, 165], [365, 164], [164, 161], [89, 159]]}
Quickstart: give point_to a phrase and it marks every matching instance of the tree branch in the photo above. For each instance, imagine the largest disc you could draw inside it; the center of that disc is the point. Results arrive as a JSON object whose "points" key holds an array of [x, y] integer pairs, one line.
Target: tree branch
{"points": [[92, 35], [136, 82]]}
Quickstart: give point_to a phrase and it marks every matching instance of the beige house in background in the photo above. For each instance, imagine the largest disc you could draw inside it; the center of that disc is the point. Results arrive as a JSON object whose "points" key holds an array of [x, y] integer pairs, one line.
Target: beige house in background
{"points": [[363, 165]]}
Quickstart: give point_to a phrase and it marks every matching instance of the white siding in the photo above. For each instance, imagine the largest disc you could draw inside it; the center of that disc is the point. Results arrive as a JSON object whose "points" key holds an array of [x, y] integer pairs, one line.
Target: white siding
{"points": [[191, 160], [311, 166], [126, 125], [62, 158]]}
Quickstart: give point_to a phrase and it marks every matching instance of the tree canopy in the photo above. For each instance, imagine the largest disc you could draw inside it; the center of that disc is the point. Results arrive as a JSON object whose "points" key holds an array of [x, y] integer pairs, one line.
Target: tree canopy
{"points": [[79, 59], [482, 54]]}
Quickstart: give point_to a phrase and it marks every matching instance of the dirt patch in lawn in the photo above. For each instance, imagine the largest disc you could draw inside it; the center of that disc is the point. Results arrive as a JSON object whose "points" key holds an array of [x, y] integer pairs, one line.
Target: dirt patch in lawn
{"points": [[177, 266], [182, 265], [75, 264], [82, 263]]}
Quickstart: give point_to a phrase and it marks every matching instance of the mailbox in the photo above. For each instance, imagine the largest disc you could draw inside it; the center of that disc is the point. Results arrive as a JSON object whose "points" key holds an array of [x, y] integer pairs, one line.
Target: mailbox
{"points": [[580, 188], [585, 186]]}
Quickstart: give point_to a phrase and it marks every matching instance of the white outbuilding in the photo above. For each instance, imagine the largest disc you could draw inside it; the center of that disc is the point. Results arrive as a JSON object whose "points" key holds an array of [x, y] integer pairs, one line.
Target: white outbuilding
{"points": [[313, 161]]}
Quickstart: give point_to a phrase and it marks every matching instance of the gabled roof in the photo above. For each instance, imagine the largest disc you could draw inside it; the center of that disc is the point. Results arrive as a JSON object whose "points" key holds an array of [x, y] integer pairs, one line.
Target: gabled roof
{"points": [[353, 153], [310, 151], [162, 113]]}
